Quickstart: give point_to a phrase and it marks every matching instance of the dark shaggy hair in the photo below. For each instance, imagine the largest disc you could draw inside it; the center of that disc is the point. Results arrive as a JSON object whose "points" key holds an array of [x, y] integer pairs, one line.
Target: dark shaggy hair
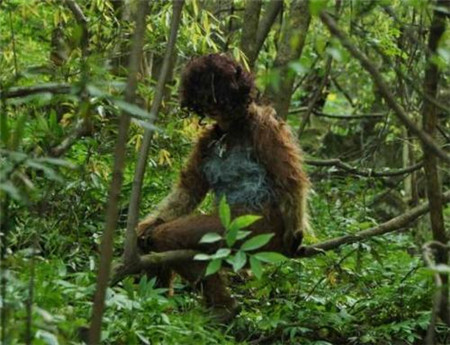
{"points": [[215, 82]]}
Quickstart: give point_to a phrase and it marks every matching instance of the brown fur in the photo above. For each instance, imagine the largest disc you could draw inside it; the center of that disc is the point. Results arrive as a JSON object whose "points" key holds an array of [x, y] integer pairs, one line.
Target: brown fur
{"points": [[172, 227]]}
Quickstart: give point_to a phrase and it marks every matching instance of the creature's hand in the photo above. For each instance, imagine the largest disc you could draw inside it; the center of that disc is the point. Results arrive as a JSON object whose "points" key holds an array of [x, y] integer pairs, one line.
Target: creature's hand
{"points": [[147, 225]]}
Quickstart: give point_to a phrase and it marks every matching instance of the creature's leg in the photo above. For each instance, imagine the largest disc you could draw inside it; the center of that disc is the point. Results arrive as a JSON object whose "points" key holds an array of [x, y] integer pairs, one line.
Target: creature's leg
{"points": [[185, 233]]}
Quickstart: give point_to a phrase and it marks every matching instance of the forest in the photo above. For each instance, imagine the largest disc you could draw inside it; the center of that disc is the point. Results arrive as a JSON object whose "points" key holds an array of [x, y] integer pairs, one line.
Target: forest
{"points": [[101, 111]]}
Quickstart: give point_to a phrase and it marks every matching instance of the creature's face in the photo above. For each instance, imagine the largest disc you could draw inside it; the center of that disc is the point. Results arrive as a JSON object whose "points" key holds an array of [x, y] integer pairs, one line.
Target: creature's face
{"points": [[215, 86]]}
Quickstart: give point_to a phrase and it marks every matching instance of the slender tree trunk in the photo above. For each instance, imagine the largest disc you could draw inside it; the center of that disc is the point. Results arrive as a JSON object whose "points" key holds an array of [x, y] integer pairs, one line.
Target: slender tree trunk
{"points": [[131, 255], [250, 21], [290, 47], [106, 249], [271, 12], [434, 188]]}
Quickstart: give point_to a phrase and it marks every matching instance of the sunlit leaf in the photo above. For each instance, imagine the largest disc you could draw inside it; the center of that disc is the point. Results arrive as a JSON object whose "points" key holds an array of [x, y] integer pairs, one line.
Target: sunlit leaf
{"points": [[256, 242]]}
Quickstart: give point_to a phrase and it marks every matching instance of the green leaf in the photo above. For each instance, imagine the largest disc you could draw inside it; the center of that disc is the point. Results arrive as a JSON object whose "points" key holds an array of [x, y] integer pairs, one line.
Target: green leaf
{"points": [[231, 235], [210, 237], [132, 109], [145, 124], [213, 267], [202, 257], [221, 253], [239, 260], [224, 212], [270, 257], [242, 234], [11, 190], [49, 172], [256, 267], [244, 221], [256, 242]]}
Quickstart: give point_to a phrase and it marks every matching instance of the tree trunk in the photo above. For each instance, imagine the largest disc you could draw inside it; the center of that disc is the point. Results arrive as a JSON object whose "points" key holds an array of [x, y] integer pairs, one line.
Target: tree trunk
{"points": [[433, 183], [290, 47], [250, 21], [106, 249], [131, 255]]}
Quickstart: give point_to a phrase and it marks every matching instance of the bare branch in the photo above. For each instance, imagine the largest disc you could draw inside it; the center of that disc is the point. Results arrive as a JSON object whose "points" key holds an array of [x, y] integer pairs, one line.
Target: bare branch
{"points": [[425, 138], [350, 116], [149, 261], [79, 131], [391, 225], [368, 173], [56, 88]]}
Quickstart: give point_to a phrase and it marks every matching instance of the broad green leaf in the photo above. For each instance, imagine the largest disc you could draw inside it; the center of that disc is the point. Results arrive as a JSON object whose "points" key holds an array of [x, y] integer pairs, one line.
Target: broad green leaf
{"points": [[243, 221], [270, 257], [239, 260], [213, 267], [256, 242], [256, 267], [202, 257], [224, 212], [242, 234], [221, 253], [210, 237]]}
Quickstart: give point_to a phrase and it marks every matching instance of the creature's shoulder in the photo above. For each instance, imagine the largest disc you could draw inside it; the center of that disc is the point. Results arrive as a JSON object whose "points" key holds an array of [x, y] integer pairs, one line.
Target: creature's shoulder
{"points": [[264, 117]]}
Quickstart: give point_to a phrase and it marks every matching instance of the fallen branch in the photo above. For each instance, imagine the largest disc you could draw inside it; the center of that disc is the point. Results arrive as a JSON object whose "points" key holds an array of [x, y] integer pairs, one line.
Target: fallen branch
{"points": [[425, 138], [56, 88], [391, 225], [79, 131], [367, 173], [149, 261]]}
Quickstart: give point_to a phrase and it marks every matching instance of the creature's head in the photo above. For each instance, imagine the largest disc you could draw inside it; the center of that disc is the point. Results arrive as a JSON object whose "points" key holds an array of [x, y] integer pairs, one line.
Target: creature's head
{"points": [[214, 85]]}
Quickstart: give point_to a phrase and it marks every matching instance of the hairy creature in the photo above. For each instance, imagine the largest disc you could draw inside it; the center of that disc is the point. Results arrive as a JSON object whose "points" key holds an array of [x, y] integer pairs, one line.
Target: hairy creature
{"points": [[248, 155]]}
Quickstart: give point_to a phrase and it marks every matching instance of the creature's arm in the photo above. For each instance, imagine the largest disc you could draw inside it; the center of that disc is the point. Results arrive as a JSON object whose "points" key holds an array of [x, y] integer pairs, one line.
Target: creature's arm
{"points": [[185, 196], [277, 150]]}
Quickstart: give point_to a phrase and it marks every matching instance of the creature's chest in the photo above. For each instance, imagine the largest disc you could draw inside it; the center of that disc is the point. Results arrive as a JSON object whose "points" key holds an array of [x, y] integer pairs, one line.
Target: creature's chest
{"points": [[233, 171]]}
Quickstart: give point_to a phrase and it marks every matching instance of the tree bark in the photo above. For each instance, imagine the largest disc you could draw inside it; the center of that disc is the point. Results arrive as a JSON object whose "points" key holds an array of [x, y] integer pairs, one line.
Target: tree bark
{"points": [[131, 255], [255, 30], [433, 183], [106, 248], [290, 48], [250, 22]]}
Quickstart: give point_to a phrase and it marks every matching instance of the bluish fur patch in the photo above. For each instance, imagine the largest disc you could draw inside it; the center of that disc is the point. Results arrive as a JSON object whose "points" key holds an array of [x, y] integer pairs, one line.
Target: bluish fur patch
{"points": [[236, 174]]}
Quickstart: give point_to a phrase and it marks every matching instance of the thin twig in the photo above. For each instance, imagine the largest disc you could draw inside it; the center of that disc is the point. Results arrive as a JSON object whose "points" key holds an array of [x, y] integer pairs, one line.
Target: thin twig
{"points": [[367, 173], [383, 87]]}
